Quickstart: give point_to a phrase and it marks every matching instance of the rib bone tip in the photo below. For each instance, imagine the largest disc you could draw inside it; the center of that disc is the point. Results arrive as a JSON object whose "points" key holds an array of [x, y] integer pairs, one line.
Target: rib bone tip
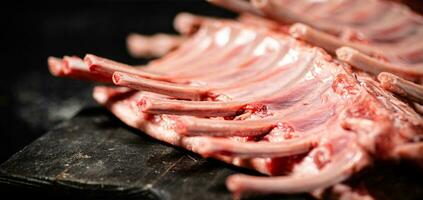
{"points": [[100, 94], [345, 53], [233, 183], [55, 65], [144, 104], [89, 60], [298, 30], [89, 56], [259, 3], [53, 59], [117, 77], [131, 39], [385, 77]]}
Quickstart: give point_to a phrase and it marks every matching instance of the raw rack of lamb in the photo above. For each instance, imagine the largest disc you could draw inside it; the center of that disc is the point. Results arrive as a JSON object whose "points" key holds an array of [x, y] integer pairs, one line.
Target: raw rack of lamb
{"points": [[247, 93]]}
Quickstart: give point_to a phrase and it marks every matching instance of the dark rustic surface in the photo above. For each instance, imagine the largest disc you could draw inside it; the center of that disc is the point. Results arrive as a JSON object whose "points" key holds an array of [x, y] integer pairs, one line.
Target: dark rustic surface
{"points": [[95, 155]]}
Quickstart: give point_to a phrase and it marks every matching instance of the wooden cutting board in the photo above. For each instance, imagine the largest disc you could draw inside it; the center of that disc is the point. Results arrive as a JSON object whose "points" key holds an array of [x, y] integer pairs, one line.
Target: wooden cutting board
{"points": [[95, 155]]}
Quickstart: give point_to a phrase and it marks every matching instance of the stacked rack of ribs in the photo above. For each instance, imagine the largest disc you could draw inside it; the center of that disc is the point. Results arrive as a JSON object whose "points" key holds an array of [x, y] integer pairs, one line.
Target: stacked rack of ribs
{"points": [[361, 32], [255, 97]]}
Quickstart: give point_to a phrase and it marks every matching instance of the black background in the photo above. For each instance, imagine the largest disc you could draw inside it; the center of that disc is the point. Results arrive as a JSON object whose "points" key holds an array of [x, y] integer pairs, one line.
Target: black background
{"points": [[31, 100]]}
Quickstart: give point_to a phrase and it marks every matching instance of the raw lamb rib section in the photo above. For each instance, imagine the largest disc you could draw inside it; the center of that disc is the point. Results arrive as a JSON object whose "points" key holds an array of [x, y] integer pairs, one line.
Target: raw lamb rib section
{"points": [[374, 39], [263, 100]]}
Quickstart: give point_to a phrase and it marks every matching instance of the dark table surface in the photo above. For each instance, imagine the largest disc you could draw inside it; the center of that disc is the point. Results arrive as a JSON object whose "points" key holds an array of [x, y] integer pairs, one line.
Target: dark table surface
{"points": [[94, 155]]}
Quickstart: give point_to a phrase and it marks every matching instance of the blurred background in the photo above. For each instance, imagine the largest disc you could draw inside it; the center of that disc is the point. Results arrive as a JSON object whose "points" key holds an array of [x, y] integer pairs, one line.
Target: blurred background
{"points": [[31, 100]]}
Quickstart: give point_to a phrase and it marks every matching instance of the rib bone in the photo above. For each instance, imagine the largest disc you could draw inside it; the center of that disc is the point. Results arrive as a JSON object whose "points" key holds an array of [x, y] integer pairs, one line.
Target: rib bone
{"points": [[338, 170], [375, 66], [212, 146], [192, 108], [160, 87], [107, 67], [401, 87]]}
